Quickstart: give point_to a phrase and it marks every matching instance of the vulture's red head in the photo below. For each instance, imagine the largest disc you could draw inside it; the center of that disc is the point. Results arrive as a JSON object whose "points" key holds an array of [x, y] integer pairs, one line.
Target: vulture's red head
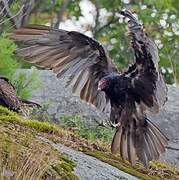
{"points": [[102, 84]]}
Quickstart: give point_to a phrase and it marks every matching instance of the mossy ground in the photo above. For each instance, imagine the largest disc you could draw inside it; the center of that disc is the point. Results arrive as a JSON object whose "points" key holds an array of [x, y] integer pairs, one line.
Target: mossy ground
{"points": [[18, 143], [23, 156], [157, 170]]}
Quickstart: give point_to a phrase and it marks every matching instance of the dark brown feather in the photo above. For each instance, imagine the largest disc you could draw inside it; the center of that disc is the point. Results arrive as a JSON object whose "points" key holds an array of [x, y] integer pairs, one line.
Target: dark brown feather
{"points": [[141, 88], [146, 91], [67, 54]]}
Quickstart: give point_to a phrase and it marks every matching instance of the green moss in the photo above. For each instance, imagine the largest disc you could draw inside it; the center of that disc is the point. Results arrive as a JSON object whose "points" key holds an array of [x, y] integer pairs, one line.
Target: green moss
{"points": [[23, 131], [5, 111], [164, 170], [118, 163], [64, 168], [68, 162], [157, 169], [26, 157], [7, 116]]}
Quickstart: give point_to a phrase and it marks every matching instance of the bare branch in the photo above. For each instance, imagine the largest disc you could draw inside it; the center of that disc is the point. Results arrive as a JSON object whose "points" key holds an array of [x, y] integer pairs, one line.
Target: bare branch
{"points": [[21, 17], [3, 7], [6, 11], [113, 20], [24, 17], [61, 12], [96, 18], [53, 3], [105, 26]]}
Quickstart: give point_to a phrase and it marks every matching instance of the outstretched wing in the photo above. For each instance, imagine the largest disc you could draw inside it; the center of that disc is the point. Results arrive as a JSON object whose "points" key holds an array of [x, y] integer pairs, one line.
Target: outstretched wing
{"points": [[147, 82], [71, 54], [146, 90]]}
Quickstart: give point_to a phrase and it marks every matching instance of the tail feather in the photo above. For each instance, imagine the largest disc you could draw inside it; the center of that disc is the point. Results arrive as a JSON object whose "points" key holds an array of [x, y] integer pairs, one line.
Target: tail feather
{"points": [[158, 145], [115, 146], [130, 146], [152, 146], [123, 144], [146, 143], [157, 131], [147, 148]]}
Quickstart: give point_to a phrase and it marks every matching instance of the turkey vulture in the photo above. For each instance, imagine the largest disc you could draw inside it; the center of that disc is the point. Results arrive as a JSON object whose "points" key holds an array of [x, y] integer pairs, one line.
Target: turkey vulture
{"points": [[9, 98], [96, 79]]}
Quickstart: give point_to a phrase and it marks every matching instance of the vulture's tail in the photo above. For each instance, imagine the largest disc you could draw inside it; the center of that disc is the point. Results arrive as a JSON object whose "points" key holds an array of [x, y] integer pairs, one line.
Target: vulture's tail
{"points": [[146, 143]]}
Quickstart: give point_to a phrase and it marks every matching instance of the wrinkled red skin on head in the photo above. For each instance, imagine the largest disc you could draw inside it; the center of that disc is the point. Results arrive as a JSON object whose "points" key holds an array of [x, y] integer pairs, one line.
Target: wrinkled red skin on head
{"points": [[102, 84]]}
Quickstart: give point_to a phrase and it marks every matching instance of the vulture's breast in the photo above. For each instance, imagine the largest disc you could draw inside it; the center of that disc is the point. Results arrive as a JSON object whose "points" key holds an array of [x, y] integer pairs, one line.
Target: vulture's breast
{"points": [[119, 88]]}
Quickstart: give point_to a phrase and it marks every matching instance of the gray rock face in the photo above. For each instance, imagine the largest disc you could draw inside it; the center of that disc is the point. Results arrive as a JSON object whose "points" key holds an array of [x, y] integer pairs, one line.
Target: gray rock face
{"points": [[90, 168], [168, 121], [63, 102], [60, 99]]}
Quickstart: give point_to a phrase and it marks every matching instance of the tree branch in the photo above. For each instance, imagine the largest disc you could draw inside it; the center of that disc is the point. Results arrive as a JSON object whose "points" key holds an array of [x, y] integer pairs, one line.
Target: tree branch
{"points": [[6, 11], [106, 25], [61, 12], [24, 17], [21, 17], [113, 20], [96, 18], [2, 8]]}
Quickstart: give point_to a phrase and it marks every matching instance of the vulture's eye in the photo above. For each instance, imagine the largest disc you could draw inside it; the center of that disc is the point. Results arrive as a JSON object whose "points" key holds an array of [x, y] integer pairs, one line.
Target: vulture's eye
{"points": [[102, 84]]}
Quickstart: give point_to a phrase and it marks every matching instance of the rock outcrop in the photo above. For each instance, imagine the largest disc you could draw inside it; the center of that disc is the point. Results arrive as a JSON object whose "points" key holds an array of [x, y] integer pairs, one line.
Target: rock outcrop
{"points": [[88, 167]]}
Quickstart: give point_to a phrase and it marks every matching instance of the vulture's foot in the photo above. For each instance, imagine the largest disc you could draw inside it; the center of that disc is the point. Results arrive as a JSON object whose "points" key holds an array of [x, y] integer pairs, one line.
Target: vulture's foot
{"points": [[115, 125]]}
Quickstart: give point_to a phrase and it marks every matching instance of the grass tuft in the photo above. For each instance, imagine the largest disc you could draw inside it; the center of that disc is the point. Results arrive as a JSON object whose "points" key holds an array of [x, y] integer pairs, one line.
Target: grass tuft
{"points": [[8, 116], [23, 156]]}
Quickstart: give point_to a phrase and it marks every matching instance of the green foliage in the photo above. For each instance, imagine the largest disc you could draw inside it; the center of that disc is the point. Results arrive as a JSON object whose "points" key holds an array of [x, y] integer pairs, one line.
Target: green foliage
{"points": [[160, 18], [90, 132], [42, 114], [23, 82], [8, 65]]}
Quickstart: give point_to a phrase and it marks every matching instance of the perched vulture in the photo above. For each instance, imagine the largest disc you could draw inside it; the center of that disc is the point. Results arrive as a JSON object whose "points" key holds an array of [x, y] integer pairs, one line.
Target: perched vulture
{"points": [[9, 98], [92, 75]]}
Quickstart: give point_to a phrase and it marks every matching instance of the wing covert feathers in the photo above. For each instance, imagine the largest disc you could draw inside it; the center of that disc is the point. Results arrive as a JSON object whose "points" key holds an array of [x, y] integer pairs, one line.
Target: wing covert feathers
{"points": [[137, 136], [145, 70], [67, 54]]}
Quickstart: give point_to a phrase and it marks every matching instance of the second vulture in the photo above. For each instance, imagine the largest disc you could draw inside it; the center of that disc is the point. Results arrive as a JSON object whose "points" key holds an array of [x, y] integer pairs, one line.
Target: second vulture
{"points": [[95, 78], [9, 99]]}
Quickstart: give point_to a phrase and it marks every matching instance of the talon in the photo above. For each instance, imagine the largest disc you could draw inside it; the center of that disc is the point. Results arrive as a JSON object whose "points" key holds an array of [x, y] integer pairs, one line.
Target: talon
{"points": [[116, 125]]}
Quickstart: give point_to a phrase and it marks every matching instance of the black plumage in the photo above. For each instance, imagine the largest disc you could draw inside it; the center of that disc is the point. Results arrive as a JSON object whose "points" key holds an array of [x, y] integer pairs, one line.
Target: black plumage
{"points": [[95, 78]]}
